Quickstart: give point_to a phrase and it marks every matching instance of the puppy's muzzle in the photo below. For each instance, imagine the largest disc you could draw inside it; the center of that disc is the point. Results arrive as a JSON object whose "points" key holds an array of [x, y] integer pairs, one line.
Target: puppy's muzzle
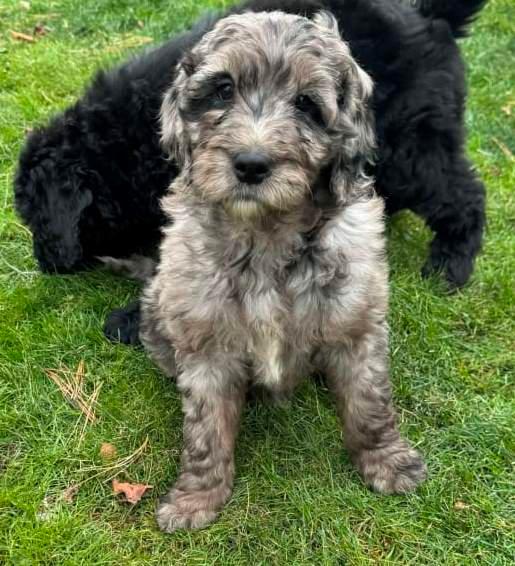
{"points": [[252, 167]]}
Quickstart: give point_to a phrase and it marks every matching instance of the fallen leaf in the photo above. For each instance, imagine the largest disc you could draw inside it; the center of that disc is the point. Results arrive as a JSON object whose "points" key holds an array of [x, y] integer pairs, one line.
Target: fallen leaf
{"points": [[133, 491], [140, 24], [70, 492], [507, 109], [460, 505], [40, 29], [21, 36], [108, 451]]}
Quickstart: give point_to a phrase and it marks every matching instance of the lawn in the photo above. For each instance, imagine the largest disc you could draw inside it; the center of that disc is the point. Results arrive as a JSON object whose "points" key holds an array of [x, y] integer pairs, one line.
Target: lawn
{"points": [[297, 500]]}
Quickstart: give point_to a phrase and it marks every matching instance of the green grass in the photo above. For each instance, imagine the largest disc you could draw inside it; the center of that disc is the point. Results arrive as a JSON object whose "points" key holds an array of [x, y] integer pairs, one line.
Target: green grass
{"points": [[297, 500]]}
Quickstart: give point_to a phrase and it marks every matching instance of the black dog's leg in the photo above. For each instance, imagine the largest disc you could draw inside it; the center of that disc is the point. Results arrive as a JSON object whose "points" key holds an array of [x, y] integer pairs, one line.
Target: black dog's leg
{"points": [[458, 224], [430, 175], [122, 325]]}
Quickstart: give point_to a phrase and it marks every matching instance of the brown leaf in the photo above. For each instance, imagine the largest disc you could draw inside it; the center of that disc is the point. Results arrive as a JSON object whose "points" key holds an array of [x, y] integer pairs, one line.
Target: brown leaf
{"points": [[460, 505], [70, 492], [40, 29], [21, 36], [108, 451], [133, 491]]}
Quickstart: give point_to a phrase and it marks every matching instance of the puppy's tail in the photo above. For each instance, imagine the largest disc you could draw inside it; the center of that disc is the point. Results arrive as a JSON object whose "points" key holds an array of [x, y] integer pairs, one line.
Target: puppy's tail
{"points": [[459, 14], [136, 266]]}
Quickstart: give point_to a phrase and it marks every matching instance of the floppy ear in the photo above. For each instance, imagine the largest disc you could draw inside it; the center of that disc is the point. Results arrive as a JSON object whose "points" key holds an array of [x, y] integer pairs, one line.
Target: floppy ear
{"points": [[357, 127], [326, 20], [56, 231], [355, 121], [173, 134], [359, 114]]}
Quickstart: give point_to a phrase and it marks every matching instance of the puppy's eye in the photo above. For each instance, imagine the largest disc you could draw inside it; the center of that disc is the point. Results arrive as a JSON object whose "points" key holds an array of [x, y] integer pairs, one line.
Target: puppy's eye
{"points": [[306, 105], [225, 90]]}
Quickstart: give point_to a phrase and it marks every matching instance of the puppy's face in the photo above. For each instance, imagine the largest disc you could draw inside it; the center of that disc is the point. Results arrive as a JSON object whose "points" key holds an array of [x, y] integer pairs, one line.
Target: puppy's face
{"points": [[261, 106], [53, 211]]}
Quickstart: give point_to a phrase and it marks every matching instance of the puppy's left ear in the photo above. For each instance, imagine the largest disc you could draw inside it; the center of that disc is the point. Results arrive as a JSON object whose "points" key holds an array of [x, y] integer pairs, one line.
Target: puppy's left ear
{"points": [[356, 105], [357, 127], [326, 20], [173, 134], [355, 120]]}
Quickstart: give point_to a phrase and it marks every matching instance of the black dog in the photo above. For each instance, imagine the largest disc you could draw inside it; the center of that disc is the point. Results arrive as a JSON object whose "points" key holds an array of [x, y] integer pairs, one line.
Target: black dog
{"points": [[88, 184]]}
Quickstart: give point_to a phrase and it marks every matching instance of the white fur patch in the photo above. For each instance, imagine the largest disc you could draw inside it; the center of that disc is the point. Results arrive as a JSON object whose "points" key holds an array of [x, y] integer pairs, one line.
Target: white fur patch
{"points": [[271, 355]]}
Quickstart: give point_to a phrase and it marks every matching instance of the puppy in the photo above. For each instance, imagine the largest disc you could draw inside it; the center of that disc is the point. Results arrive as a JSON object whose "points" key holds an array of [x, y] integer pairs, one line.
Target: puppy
{"points": [[274, 265], [88, 184]]}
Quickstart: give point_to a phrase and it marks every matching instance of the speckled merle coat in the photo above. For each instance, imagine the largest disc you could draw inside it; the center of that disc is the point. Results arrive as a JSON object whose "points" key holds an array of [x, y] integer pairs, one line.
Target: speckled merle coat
{"points": [[264, 278]]}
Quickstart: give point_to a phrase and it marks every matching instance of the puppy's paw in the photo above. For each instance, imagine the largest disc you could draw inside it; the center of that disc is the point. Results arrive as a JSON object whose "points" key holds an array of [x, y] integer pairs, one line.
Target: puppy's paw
{"points": [[187, 510], [456, 268], [122, 325], [171, 517], [395, 469]]}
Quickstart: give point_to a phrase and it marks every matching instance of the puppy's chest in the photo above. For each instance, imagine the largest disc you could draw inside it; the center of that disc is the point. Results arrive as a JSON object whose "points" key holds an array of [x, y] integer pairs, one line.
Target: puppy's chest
{"points": [[283, 312], [271, 297]]}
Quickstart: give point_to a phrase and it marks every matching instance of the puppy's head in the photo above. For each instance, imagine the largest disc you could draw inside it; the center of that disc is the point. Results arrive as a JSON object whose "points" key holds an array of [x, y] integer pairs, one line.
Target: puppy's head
{"points": [[264, 106], [51, 202]]}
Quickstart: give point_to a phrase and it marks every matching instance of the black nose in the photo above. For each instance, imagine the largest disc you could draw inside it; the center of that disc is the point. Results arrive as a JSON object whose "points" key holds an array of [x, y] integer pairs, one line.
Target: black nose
{"points": [[252, 167]]}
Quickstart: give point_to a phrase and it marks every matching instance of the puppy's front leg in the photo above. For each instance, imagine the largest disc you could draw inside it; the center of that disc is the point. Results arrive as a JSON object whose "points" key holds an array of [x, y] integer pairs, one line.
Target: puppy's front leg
{"points": [[358, 376], [212, 405]]}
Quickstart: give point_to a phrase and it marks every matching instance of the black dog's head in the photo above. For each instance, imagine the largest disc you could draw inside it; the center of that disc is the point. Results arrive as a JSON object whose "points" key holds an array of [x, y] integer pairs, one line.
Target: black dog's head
{"points": [[50, 200]]}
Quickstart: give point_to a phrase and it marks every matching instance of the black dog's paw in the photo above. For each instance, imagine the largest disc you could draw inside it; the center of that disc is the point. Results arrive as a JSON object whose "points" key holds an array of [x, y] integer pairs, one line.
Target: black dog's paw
{"points": [[122, 325], [456, 268]]}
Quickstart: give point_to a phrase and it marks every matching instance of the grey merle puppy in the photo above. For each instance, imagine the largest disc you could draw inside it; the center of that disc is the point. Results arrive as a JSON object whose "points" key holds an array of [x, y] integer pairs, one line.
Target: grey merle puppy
{"points": [[274, 265]]}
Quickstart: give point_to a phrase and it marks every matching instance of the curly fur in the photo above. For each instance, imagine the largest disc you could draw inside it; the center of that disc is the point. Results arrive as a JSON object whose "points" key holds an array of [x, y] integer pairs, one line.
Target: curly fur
{"points": [[259, 281], [88, 184]]}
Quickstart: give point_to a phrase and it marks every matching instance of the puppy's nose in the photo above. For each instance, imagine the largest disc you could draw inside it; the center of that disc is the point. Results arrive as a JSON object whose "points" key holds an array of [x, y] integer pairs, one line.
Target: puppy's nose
{"points": [[252, 167]]}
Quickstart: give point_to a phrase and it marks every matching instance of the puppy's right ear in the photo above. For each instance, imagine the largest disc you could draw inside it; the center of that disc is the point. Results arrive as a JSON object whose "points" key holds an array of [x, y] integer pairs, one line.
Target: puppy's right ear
{"points": [[174, 139]]}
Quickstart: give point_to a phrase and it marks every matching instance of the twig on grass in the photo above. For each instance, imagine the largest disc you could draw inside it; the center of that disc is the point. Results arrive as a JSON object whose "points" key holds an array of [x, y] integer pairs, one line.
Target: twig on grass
{"points": [[22, 36], [19, 271], [72, 388], [115, 468], [504, 148], [92, 401]]}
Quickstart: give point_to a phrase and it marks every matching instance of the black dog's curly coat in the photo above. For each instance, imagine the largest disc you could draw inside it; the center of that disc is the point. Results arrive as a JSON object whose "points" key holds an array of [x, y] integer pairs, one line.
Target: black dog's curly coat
{"points": [[88, 184]]}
